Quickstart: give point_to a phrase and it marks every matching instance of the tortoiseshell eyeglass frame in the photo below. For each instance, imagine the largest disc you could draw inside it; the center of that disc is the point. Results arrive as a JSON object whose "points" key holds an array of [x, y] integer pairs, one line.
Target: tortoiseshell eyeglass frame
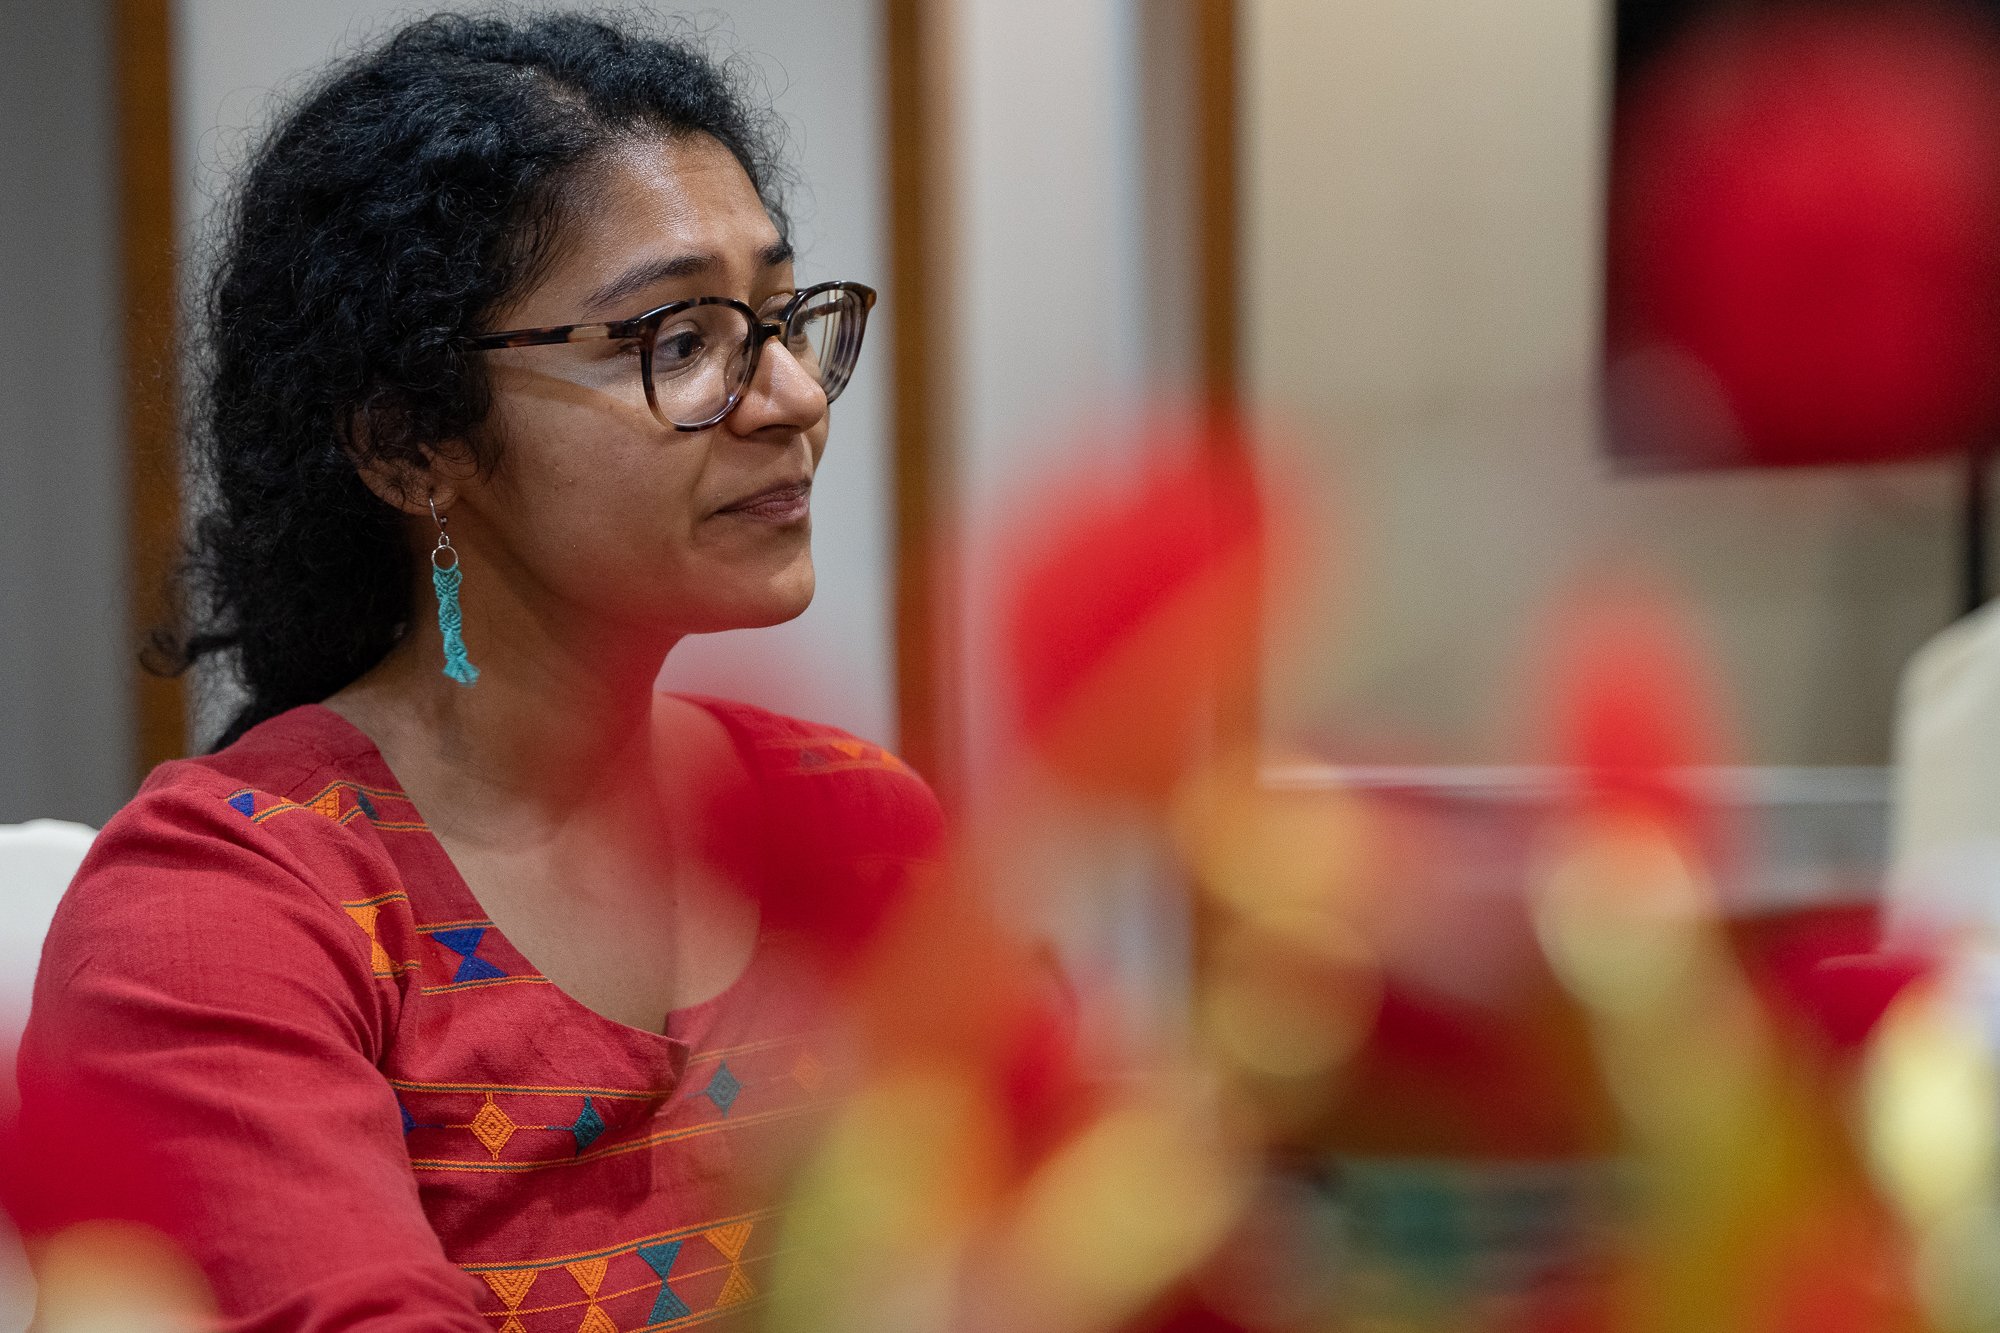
{"points": [[834, 375]]}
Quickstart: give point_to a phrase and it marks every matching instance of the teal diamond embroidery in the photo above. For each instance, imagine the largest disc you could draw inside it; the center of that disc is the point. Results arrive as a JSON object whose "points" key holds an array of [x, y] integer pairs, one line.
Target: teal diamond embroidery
{"points": [[723, 1089], [660, 1258], [589, 1126]]}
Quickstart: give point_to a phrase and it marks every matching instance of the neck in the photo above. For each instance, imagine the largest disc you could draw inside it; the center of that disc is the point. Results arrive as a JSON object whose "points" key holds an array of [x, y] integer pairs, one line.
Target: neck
{"points": [[561, 713]]}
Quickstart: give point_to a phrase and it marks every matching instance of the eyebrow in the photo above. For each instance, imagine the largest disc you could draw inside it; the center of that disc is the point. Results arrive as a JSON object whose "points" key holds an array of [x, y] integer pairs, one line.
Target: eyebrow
{"points": [[648, 272]]}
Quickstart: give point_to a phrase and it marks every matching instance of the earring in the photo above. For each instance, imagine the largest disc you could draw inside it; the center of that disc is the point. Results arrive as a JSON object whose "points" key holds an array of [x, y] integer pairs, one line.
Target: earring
{"points": [[444, 581]]}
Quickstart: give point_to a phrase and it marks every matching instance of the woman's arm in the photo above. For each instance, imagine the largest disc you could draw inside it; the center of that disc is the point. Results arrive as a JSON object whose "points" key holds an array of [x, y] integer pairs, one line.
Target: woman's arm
{"points": [[203, 993]]}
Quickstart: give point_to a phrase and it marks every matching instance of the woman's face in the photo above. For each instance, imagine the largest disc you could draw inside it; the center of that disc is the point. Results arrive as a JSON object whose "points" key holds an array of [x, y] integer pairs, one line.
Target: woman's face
{"points": [[597, 507]]}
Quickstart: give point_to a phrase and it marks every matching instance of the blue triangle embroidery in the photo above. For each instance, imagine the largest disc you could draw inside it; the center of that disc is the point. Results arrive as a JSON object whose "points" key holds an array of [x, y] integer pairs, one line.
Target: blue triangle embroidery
{"points": [[465, 943], [660, 1258], [476, 969], [367, 806], [723, 1089], [244, 803], [589, 1126], [409, 1121]]}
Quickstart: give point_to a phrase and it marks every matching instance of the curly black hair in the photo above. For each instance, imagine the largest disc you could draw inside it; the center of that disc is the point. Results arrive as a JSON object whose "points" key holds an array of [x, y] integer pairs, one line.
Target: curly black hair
{"points": [[404, 196]]}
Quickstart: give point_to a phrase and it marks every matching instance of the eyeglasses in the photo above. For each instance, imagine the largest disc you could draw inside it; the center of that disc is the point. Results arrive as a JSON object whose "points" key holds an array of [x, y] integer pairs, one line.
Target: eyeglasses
{"points": [[698, 357]]}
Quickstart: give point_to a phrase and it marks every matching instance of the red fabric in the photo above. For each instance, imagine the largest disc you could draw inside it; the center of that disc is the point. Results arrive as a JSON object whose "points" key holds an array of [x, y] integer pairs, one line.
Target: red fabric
{"points": [[270, 985]]}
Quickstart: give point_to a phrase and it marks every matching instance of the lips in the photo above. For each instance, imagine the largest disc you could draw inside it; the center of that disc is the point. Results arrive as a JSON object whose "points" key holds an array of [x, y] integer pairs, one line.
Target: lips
{"points": [[784, 502]]}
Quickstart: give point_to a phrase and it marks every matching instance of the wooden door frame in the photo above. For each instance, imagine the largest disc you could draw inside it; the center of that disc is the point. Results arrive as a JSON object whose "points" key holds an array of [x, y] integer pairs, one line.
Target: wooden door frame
{"points": [[1216, 58], [1196, 46], [150, 302], [918, 102]]}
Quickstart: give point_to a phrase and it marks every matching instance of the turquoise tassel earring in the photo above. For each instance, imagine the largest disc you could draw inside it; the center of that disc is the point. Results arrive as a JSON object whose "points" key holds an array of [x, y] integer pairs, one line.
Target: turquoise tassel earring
{"points": [[444, 581]]}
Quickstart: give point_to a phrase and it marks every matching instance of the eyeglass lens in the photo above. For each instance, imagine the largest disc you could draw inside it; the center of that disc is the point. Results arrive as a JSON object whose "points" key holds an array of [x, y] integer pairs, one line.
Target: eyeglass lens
{"points": [[701, 357]]}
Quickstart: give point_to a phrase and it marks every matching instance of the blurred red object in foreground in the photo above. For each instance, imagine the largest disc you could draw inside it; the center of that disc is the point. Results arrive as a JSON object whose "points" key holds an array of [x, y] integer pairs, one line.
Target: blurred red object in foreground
{"points": [[1805, 241], [1134, 610], [73, 1162], [1825, 967], [1633, 707], [87, 1191]]}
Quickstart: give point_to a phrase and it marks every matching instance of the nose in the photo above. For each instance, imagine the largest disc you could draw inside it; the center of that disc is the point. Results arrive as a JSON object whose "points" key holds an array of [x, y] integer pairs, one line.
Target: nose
{"points": [[783, 397]]}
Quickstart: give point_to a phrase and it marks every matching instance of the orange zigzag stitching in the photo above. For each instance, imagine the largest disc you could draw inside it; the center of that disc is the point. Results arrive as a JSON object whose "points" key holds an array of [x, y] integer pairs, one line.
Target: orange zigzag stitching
{"points": [[623, 1247]]}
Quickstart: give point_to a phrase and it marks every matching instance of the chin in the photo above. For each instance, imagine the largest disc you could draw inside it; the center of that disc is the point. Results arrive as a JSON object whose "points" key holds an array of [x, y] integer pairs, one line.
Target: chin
{"points": [[780, 600], [775, 615]]}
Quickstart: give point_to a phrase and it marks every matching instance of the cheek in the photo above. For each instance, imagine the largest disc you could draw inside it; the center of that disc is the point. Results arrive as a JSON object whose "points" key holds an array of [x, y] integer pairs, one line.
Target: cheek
{"points": [[592, 488], [606, 509]]}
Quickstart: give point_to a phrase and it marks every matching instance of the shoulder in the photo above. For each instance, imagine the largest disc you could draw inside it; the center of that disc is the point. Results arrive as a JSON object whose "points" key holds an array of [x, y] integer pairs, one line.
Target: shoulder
{"points": [[224, 845], [841, 829], [777, 746], [748, 718], [289, 789], [851, 795]]}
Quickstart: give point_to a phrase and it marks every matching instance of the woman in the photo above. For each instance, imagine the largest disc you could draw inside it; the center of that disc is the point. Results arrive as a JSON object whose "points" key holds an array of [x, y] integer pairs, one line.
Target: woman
{"points": [[458, 989]]}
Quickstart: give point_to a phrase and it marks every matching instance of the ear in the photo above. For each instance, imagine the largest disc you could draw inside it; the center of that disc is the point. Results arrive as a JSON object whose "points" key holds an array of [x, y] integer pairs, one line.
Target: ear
{"points": [[411, 485]]}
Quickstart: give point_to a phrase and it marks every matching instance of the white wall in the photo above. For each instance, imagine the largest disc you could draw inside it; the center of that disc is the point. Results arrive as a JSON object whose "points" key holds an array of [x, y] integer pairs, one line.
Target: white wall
{"points": [[67, 659], [1052, 248], [1050, 251], [1422, 221], [835, 663]]}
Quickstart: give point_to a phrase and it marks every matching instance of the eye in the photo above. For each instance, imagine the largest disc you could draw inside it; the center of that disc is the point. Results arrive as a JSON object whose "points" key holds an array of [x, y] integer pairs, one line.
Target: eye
{"points": [[676, 348]]}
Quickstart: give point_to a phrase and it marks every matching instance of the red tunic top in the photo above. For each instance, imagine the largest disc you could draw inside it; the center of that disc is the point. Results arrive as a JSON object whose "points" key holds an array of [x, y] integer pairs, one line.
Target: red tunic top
{"points": [[376, 1113]]}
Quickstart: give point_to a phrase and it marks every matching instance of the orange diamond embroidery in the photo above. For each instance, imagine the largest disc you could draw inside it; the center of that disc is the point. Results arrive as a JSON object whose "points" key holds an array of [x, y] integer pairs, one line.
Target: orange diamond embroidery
{"points": [[378, 957], [328, 804], [730, 1239], [493, 1127], [513, 1325], [736, 1290], [596, 1321], [808, 1072], [589, 1273], [512, 1286]]}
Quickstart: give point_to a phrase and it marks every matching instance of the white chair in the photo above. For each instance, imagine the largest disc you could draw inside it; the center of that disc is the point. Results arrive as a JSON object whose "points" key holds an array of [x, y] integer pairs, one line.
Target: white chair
{"points": [[1945, 824], [37, 861]]}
